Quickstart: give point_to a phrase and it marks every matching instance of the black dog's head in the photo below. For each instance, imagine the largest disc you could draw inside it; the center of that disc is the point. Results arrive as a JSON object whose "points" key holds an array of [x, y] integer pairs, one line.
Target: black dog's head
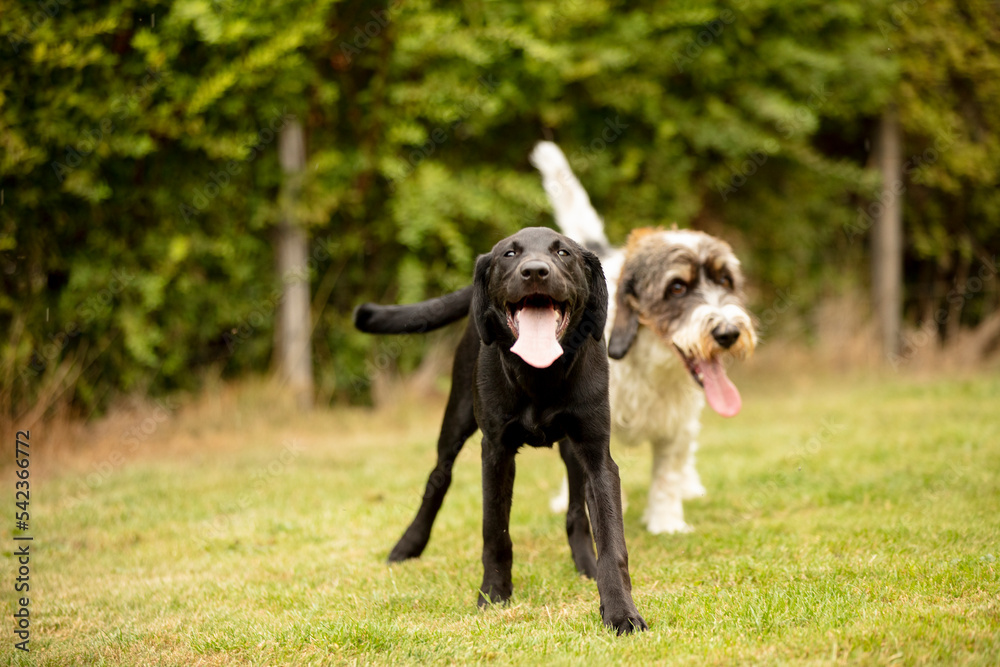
{"points": [[539, 294]]}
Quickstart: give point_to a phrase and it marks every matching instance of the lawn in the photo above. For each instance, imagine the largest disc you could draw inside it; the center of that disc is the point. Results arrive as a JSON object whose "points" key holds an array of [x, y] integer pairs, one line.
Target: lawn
{"points": [[848, 521]]}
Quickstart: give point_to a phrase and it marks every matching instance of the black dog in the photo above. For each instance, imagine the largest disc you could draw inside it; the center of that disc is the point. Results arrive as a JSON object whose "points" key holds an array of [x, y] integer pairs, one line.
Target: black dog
{"points": [[531, 369]]}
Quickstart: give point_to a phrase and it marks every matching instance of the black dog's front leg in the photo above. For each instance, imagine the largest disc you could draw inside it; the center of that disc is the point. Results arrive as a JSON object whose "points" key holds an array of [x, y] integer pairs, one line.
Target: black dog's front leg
{"points": [[605, 500], [458, 425], [498, 551], [581, 544]]}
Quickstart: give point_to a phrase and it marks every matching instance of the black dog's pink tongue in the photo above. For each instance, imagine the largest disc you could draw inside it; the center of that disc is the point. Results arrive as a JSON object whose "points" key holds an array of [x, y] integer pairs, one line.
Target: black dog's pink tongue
{"points": [[536, 339], [720, 392]]}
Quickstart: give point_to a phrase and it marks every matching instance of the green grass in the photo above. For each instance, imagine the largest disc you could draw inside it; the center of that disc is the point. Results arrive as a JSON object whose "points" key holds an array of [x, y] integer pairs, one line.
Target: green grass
{"points": [[846, 522]]}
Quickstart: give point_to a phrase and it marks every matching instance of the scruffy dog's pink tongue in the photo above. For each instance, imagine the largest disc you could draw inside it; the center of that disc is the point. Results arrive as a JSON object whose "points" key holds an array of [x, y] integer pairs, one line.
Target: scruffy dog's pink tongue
{"points": [[536, 339], [720, 392]]}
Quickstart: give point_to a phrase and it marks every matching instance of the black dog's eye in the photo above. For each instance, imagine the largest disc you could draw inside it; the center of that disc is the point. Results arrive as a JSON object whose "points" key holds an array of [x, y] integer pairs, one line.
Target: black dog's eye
{"points": [[563, 252], [510, 253], [677, 287]]}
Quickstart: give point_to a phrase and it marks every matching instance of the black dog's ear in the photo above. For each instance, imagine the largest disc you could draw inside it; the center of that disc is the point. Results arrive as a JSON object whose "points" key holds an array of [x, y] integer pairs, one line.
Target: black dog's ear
{"points": [[596, 314], [626, 324], [482, 312]]}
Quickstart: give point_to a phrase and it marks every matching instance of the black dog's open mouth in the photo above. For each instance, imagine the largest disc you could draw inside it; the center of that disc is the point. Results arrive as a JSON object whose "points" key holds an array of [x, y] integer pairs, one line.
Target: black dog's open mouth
{"points": [[542, 303], [537, 322], [720, 392]]}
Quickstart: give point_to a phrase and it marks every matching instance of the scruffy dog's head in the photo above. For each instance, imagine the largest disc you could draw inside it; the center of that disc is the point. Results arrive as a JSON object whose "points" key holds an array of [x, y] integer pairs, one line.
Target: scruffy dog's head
{"points": [[539, 293], [687, 287]]}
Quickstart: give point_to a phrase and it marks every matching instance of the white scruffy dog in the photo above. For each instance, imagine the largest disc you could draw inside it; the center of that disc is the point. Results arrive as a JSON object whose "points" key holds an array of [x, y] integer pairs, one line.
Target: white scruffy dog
{"points": [[676, 314]]}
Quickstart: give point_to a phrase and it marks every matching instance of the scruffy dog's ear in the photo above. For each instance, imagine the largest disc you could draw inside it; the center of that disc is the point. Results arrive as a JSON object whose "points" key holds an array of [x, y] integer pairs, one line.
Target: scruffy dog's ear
{"points": [[596, 314], [482, 314], [626, 324]]}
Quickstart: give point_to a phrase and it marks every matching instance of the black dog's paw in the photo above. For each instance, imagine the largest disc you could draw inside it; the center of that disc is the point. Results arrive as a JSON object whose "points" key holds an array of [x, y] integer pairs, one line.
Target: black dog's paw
{"points": [[402, 552], [493, 595], [586, 564], [624, 621]]}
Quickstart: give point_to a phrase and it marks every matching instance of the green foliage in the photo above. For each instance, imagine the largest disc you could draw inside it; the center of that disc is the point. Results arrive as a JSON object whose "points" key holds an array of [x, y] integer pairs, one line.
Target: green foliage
{"points": [[949, 97], [140, 181], [139, 168]]}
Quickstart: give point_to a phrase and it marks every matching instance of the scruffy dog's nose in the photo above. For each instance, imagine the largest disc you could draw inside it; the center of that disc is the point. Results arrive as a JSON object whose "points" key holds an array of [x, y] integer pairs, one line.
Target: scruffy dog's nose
{"points": [[725, 335], [535, 269]]}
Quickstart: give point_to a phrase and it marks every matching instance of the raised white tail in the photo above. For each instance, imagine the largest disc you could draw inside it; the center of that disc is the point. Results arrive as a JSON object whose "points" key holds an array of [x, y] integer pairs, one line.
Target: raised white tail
{"points": [[574, 213]]}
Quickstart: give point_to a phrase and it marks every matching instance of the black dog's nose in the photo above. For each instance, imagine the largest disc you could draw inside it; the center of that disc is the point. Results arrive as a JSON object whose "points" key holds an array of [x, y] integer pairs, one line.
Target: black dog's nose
{"points": [[725, 335], [535, 268]]}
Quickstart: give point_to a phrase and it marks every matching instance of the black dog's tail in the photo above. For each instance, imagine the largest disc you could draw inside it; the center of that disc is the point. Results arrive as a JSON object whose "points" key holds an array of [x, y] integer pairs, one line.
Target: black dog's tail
{"points": [[415, 317]]}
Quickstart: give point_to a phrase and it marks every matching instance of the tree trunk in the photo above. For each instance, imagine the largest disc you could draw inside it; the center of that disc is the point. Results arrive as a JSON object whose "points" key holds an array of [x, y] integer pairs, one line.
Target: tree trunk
{"points": [[954, 322], [293, 331], [887, 236]]}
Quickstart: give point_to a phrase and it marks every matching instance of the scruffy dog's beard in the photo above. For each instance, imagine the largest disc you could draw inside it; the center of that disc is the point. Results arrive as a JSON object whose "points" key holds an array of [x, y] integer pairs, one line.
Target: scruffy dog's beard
{"points": [[706, 359], [687, 288]]}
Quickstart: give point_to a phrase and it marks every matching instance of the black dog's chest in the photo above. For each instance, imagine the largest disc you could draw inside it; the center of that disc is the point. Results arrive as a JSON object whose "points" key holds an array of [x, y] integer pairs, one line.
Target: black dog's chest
{"points": [[534, 427]]}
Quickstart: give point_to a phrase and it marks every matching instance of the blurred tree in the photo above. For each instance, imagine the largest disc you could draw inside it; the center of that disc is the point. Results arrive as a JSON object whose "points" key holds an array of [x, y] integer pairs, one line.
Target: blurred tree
{"points": [[141, 187], [292, 342], [887, 237], [140, 183], [949, 107]]}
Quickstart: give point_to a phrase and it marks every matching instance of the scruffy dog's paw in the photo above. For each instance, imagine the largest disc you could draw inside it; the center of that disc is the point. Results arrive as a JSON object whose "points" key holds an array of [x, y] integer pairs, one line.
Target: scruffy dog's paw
{"points": [[659, 520], [691, 486], [668, 525]]}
